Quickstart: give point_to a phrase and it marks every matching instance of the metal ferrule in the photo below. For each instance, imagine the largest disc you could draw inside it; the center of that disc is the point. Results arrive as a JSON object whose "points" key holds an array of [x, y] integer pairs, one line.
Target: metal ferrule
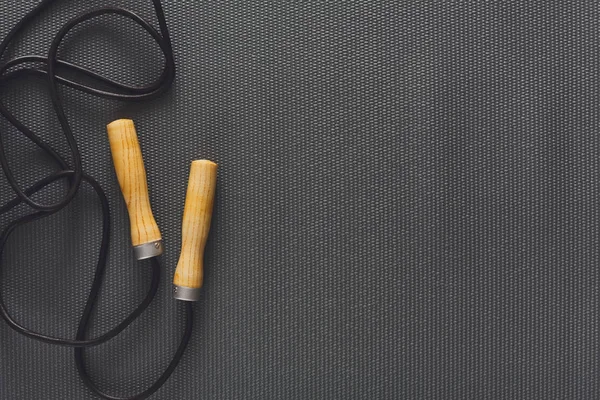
{"points": [[148, 250], [186, 293]]}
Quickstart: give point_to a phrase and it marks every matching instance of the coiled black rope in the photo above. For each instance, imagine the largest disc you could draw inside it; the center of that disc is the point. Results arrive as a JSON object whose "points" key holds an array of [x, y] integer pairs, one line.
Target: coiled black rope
{"points": [[55, 71]]}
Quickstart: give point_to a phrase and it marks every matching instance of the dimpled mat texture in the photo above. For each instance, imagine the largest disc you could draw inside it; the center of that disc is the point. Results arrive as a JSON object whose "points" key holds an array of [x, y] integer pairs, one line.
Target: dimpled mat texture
{"points": [[407, 203]]}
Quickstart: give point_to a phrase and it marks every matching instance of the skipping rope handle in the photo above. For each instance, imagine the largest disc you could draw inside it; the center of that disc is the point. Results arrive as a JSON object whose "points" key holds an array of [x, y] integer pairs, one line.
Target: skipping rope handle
{"points": [[197, 215], [131, 174]]}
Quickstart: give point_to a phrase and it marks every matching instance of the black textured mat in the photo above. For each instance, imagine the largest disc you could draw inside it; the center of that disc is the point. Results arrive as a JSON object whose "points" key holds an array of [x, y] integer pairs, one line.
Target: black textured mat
{"points": [[407, 202]]}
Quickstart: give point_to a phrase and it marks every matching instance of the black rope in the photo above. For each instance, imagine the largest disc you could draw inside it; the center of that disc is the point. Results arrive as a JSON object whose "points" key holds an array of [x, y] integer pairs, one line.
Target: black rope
{"points": [[55, 70]]}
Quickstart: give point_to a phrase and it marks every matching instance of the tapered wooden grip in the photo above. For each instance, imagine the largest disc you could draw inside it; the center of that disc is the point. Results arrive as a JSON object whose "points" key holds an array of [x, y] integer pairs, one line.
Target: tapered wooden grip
{"points": [[196, 223], [129, 166]]}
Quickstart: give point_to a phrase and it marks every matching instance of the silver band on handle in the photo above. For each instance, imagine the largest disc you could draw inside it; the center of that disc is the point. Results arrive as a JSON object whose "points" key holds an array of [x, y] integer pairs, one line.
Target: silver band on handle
{"points": [[148, 250], [186, 293]]}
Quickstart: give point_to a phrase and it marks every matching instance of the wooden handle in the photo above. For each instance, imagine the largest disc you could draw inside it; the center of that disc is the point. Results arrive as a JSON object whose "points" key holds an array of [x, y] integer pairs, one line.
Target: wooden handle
{"points": [[129, 166], [196, 225]]}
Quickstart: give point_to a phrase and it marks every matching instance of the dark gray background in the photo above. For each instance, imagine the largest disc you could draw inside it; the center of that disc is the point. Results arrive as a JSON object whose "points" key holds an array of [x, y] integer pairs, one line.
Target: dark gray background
{"points": [[407, 202]]}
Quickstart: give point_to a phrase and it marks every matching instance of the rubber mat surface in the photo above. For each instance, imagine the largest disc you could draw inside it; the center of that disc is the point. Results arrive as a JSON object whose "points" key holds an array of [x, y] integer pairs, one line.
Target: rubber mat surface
{"points": [[407, 204]]}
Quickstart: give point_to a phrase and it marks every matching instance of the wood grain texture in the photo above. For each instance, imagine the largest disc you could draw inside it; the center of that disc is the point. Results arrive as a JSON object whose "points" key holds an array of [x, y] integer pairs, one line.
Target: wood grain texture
{"points": [[196, 223], [129, 166]]}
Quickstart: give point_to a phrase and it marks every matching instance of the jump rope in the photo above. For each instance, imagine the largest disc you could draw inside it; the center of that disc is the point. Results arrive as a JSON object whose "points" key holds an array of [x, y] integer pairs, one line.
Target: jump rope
{"points": [[130, 172]]}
